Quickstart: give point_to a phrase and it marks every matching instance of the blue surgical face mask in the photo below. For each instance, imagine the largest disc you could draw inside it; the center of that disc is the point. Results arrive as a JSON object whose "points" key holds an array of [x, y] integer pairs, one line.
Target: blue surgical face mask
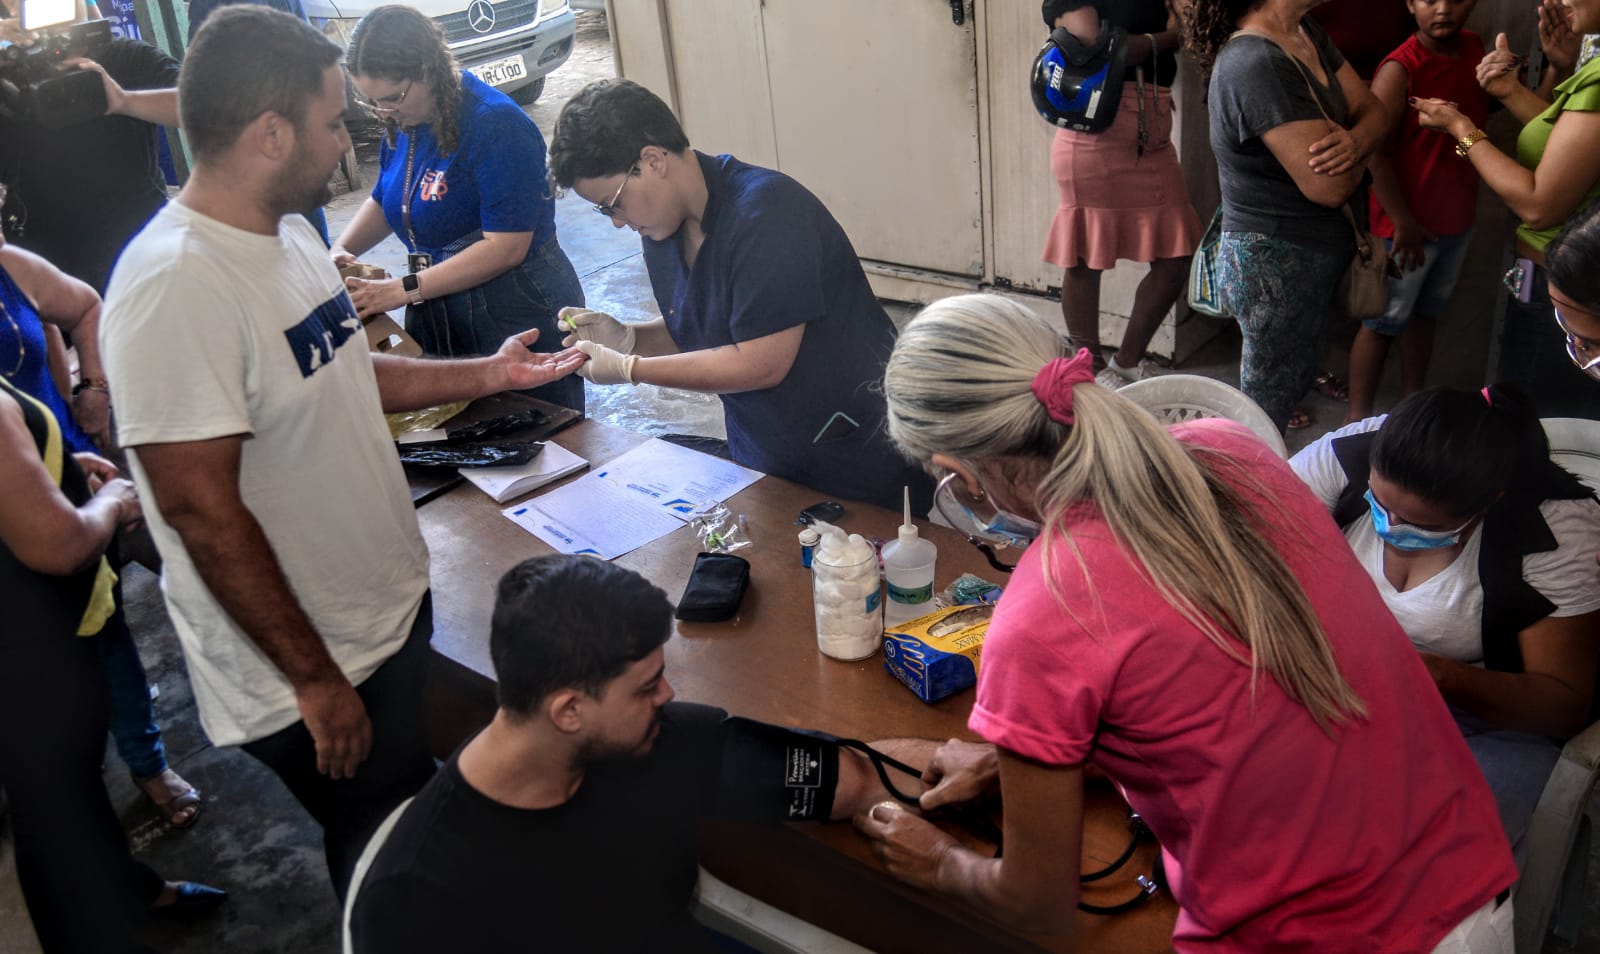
{"points": [[1403, 536], [980, 519]]}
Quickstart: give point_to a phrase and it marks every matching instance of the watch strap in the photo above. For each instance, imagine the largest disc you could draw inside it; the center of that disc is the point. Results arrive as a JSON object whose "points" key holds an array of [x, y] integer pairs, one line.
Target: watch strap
{"points": [[1469, 140], [413, 288]]}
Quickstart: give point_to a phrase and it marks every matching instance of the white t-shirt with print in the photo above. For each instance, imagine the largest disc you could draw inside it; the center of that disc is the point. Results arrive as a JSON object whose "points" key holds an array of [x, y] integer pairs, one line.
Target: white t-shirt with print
{"points": [[1444, 614], [212, 331]]}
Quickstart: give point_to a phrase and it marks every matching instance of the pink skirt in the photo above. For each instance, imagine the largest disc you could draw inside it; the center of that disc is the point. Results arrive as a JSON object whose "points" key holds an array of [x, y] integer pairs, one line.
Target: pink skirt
{"points": [[1116, 204]]}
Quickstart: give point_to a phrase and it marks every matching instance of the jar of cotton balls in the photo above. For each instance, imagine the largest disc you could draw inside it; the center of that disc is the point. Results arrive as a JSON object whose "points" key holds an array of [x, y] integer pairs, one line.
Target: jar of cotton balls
{"points": [[846, 591]]}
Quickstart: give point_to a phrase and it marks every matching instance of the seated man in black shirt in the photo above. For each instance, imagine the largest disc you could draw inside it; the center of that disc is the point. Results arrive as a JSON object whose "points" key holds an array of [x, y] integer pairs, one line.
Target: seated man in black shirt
{"points": [[568, 824]]}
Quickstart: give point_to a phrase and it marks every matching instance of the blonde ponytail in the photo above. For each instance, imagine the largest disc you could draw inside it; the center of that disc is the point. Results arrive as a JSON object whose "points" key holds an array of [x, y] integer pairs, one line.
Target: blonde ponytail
{"points": [[959, 382]]}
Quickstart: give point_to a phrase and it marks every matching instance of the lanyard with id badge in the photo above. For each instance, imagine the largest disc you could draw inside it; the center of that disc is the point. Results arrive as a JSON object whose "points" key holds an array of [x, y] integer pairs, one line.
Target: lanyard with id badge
{"points": [[415, 261]]}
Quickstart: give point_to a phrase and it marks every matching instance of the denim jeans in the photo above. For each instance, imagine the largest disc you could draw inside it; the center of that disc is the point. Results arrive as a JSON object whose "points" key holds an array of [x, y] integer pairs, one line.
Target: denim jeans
{"points": [[1516, 765], [133, 720], [1533, 353], [478, 320]]}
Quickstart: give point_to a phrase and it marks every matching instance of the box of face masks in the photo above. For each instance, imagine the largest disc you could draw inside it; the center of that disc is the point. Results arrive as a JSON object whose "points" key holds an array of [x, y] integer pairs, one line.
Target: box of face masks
{"points": [[937, 655]]}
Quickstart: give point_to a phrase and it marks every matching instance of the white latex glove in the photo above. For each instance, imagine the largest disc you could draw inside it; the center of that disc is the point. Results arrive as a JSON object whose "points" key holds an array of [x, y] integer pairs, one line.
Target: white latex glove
{"points": [[595, 326], [606, 366]]}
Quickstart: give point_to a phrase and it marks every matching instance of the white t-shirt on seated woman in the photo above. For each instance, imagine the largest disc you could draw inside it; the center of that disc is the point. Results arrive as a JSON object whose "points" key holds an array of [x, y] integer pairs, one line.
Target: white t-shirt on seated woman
{"points": [[1444, 613]]}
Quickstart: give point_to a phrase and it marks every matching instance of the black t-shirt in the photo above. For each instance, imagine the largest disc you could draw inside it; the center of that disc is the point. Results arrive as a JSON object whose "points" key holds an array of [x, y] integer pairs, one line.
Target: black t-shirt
{"points": [[84, 191], [1256, 87], [613, 869]]}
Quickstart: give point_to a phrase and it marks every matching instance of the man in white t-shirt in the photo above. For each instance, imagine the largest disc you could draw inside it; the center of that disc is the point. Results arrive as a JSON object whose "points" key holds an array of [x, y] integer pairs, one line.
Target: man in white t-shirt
{"points": [[295, 573]]}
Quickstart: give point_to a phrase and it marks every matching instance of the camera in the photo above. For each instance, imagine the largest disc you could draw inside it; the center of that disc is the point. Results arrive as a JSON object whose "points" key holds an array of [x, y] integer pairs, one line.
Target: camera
{"points": [[33, 88]]}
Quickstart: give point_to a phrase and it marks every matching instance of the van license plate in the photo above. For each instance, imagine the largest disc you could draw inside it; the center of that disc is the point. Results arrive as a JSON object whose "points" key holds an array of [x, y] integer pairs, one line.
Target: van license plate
{"points": [[501, 72]]}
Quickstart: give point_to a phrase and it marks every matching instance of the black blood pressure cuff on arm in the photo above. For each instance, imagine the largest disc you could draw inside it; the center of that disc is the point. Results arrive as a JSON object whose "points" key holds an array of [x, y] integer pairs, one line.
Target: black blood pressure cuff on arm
{"points": [[772, 773]]}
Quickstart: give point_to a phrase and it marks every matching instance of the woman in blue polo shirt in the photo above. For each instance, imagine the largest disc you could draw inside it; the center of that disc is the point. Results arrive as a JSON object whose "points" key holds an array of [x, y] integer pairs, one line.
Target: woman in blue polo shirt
{"points": [[462, 183]]}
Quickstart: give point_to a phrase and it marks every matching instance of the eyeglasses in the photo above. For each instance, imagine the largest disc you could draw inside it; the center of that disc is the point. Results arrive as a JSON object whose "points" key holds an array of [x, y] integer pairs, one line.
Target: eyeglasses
{"points": [[610, 210], [388, 104], [1584, 352], [984, 526]]}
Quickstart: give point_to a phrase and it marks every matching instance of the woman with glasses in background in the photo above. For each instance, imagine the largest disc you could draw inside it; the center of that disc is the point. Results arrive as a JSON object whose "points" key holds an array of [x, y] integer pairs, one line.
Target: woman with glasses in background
{"points": [[462, 185], [1189, 622], [1572, 261], [1483, 548]]}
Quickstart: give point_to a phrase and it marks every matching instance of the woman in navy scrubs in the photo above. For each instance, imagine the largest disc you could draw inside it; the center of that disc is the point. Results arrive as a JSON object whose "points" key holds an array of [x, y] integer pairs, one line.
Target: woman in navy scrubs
{"points": [[463, 186]]}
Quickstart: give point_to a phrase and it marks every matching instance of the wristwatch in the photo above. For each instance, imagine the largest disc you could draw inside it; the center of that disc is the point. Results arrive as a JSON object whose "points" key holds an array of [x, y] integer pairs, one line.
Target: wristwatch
{"points": [[1469, 140], [91, 384], [413, 289]]}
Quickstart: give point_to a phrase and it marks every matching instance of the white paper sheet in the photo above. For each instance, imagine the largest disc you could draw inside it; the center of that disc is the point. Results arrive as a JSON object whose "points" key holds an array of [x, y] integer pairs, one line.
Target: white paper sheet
{"points": [[593, 516], [675, 479]]}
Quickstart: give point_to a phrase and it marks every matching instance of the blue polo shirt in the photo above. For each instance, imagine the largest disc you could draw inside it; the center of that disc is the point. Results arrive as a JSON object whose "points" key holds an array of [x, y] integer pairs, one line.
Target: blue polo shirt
{"points": [[494, 181], [774, 258], [24, 361]]}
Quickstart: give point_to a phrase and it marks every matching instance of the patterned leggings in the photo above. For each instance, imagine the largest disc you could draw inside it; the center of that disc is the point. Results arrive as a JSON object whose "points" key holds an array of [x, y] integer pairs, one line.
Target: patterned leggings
{"points": [[1281, 294]]}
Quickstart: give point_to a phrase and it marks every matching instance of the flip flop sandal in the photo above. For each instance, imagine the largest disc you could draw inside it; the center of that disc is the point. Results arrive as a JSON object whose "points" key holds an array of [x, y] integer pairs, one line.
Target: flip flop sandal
{"points": [[1300, 419], [173, 807], [1332, 386]]}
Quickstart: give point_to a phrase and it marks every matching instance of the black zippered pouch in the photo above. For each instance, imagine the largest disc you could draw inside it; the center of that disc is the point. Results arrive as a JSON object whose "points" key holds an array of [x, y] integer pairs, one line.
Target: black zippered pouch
{"points": [[716, 588]]}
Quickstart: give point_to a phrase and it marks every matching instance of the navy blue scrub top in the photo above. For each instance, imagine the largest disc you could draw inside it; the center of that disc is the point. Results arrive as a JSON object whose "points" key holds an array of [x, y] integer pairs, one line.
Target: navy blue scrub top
{"points": [[774, 257], [494, 181]]}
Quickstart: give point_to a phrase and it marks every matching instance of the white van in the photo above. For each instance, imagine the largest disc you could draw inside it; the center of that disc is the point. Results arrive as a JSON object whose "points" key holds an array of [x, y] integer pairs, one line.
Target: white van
{"points": [[510, 44]]}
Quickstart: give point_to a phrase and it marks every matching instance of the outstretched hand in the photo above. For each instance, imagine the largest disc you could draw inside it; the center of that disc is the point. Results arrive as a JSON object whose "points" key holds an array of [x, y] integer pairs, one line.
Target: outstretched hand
{"points": [[523, 368]]}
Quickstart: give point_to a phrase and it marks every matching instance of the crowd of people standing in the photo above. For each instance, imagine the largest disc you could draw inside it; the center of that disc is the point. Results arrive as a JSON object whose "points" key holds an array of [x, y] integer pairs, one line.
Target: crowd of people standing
{"points": [[298, 583]]}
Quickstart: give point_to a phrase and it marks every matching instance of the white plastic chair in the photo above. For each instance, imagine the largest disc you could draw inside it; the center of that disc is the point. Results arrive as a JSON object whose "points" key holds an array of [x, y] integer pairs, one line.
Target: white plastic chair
{"points": [[1175, 398], [727, 910], [1575, 445], [1560, 837]]}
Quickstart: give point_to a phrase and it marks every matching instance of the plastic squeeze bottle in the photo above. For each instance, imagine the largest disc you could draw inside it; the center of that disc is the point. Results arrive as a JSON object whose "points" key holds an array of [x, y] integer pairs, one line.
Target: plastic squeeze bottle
{"points": [[908, 568]]}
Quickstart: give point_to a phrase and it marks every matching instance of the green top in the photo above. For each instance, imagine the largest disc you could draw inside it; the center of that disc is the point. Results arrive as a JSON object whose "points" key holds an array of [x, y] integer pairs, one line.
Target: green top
{"points": [[1581, 93]]}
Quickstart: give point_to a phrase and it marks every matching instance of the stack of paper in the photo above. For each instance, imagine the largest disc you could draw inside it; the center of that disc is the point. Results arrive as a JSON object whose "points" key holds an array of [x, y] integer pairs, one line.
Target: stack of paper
{"points": [[504, 483], [645, 494]]}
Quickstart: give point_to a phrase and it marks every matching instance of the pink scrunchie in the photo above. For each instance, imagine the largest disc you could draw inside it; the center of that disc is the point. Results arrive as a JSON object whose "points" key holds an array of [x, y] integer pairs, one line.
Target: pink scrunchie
{"points": [[1054, 383]]}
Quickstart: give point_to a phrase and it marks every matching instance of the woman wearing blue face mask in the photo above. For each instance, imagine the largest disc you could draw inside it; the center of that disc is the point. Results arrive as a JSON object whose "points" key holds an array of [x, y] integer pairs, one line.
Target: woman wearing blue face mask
{"points": [[1484, 551]]}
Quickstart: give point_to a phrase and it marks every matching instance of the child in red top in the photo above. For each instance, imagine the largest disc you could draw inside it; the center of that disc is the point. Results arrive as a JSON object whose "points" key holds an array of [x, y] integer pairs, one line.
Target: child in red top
{"points": [[1424, 196]]}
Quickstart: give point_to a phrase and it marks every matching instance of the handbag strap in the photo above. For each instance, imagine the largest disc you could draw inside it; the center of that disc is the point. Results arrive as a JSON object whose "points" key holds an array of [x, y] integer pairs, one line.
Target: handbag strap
{"points": [[1305, 74]]}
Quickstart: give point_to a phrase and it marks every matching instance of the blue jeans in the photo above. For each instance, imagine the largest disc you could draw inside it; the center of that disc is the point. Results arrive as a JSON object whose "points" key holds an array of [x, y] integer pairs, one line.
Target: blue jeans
{"points": [[478, 320], [1516, 765], [1424, 290], [1533, 353], [133, 720]]}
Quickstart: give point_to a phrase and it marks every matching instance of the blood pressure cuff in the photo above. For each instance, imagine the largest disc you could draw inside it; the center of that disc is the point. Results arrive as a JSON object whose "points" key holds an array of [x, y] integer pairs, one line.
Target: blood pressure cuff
{"points": [[773, 773]]}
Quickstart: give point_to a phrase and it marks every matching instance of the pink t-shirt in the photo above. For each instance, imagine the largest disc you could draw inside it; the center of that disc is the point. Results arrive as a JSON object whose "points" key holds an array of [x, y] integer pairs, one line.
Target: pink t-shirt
{"points": [[1276, 836]]}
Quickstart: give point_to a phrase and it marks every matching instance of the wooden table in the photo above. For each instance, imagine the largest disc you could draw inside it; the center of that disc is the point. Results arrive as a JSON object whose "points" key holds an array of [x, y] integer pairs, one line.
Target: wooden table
{"points": [[764, 664]]}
